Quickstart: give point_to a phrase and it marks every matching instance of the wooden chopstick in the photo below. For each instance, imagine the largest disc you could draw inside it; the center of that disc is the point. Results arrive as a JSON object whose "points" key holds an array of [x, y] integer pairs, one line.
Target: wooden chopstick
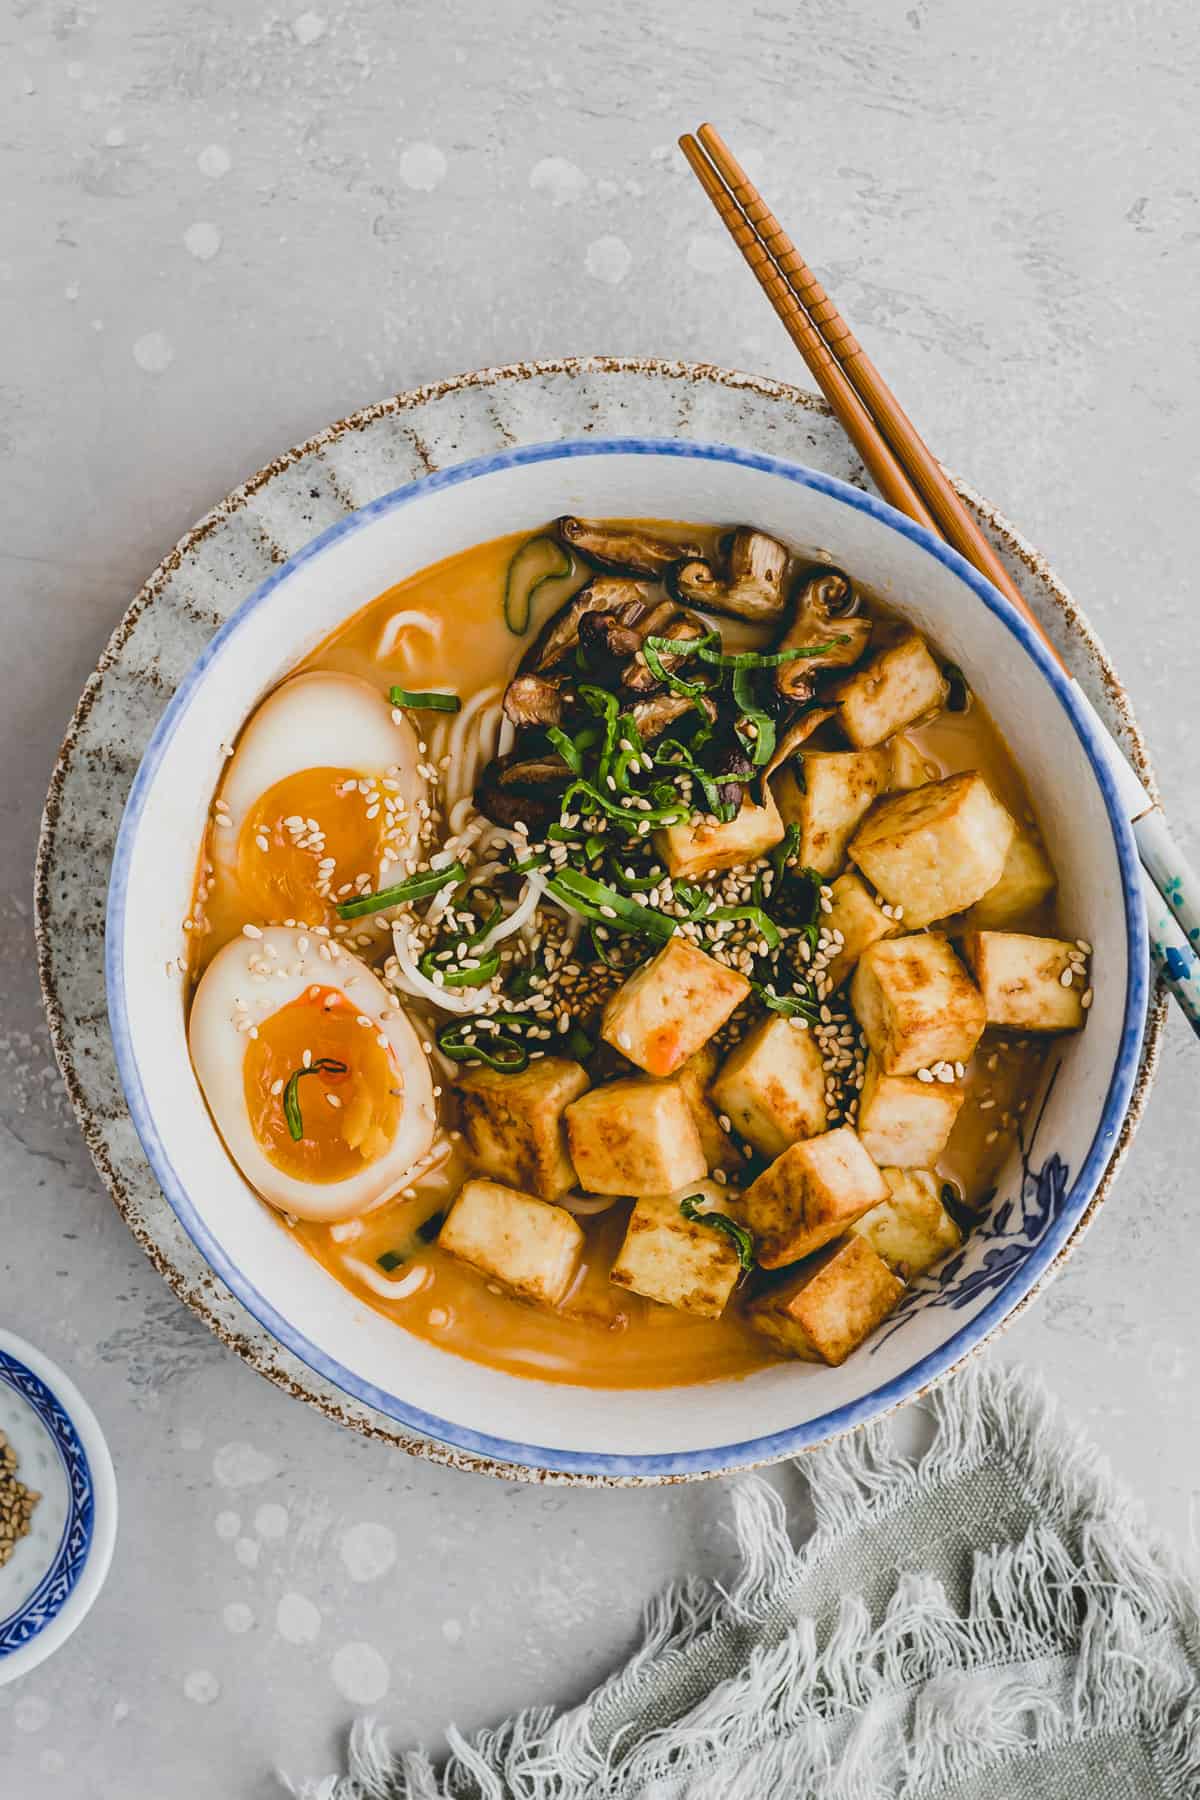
{"points": [[919, 466], [857, 422]]}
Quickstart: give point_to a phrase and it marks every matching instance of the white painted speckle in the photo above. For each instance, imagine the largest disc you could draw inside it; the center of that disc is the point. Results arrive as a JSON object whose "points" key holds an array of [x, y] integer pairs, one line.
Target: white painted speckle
{"points": [[308, 28], [191, 1439], [214, 161], [201, 1686], [240, 1465], [608, 259], [227, 1525], [202, 240], [452, 1630], [562, 180], [114, 137], [271, 1520], [711, 255], [360, 1674], [121, 1710], [423, 167], [247, 1550], [237, 1617], [153, 352], [607, 190], [297, 1620], [71, 291], [52, 1762], [31, 1713], [74, 71], [368, 1551]]}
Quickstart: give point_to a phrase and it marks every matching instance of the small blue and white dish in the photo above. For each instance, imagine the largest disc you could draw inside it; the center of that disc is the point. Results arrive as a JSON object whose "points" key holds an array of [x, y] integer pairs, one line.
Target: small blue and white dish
{"points": [[54, 1574]]}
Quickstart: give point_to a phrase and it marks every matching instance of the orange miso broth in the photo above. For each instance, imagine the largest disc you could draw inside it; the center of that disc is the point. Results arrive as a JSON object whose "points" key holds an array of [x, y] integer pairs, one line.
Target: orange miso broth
{"points": [[444, 631]]}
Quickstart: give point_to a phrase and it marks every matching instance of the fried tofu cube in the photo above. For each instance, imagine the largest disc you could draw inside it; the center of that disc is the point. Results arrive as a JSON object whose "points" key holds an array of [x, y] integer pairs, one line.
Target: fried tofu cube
{"points": [[528, 1245], [895, 688], [694, 848], [829, 1306], [514, 1123], [671, 1006], [911, 1230], [1021, 980], [634, 1137], [910, 767], [904, 1123], [916, 1003], [811, 1194], [1025, 882], [937, 850], [858, 916], [694, 1081], [826, 793], [677, 1261], [773, 1086]]}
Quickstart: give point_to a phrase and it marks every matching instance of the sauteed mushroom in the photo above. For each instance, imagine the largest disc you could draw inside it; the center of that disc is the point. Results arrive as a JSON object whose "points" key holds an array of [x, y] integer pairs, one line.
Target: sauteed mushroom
{"points": [[533, 700], [800, 724], [666, 621], [527, 789], [825, 608], [626, 552], [627, 600], [753, 588], [652, 717]]}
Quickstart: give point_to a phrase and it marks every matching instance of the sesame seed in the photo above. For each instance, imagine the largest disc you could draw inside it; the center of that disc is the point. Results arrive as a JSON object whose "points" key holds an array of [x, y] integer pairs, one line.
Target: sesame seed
{"points": [[1082, 944], [1085, 1000], [925, 1075], [251, 931], [1066, 978]]}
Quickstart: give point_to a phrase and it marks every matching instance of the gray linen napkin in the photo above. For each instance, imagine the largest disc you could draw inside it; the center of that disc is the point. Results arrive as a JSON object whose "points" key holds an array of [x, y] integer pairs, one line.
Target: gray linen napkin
{"points": [[990, 1621]]}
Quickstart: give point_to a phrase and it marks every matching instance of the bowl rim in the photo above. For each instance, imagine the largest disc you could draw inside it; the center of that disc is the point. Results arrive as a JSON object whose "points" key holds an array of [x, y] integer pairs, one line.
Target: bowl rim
{"points": [[795, 1439], [83, 1555]]}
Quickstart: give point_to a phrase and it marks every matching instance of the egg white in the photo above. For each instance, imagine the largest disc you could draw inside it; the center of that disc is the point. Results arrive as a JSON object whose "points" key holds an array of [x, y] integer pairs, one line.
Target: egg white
{"points": [[247, 981], [322, 720]]}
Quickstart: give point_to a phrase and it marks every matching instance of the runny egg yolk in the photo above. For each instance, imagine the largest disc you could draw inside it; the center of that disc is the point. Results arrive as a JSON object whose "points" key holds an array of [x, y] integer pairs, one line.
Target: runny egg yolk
{"points": [[311, 836], [348, 1112]]}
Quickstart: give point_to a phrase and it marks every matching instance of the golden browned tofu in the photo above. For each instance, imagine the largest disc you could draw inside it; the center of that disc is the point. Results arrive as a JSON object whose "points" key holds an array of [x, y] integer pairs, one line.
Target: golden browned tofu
{"points": [[911, 1230], [634, 1137], [1025, 882], [810, 1194], [671, 1006], [772, 1087], [1021, 979], [694, 1080], [826, 793], [895, 688], [525, 1243], [829, 1306], [916, 1003], [514, 1123], [677, 1261], [905, 1122], [937, 850], [858, 916], [910, 767], [694, 848]]}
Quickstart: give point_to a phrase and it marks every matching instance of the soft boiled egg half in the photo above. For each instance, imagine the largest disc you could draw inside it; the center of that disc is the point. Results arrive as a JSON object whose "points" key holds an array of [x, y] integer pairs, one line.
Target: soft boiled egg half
{"points": [[314, 1077], [320, 800]]}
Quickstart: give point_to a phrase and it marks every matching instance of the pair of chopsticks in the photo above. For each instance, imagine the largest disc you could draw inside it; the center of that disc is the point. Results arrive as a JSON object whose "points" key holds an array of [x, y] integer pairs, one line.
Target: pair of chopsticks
{"points": [[910, 477]]}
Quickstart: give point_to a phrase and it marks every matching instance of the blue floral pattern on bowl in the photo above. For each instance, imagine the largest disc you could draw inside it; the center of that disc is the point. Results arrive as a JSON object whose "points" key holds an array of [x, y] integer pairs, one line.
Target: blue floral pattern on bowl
{"points": [[54, 1589]]}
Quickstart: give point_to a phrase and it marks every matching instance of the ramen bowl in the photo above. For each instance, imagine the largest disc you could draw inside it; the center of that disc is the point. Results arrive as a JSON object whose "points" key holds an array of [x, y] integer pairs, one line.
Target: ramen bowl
{"points": [[1044, 1189]]}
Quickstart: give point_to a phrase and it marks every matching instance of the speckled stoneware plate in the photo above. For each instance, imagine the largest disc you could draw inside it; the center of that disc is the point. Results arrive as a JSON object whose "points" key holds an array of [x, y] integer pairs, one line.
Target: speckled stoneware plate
{"points": [[55, 1572], [224, 559]]}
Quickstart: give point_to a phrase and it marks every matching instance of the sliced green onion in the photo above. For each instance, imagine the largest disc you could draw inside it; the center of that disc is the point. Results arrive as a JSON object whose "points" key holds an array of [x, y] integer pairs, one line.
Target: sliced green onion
{"points": [[389, 1260], [424, 702], [589, 898], [324, 1065], [766, 659], [502, 1051], [792, 1006], [742, 1241], [417, 887], [761, 742], [537, 561], [567, 747], [785, 850], [766, 927], [428, 1229], [456, 974], [579, 1043], [655, 648]]}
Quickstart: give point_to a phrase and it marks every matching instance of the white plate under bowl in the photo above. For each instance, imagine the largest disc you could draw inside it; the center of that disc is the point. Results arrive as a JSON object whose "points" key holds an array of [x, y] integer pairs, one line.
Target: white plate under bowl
{"points": [[50, 1581], [1042, 1192]]}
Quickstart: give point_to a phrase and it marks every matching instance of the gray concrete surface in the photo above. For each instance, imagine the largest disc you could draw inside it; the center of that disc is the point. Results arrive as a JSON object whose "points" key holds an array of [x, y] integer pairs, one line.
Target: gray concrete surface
{"points": [[228, 222]]}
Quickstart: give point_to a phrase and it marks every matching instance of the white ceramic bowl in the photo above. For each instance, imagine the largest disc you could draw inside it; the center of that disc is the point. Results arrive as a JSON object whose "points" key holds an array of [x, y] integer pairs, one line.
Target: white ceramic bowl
{"points": [[1045, 1188], [54, 1574]]}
